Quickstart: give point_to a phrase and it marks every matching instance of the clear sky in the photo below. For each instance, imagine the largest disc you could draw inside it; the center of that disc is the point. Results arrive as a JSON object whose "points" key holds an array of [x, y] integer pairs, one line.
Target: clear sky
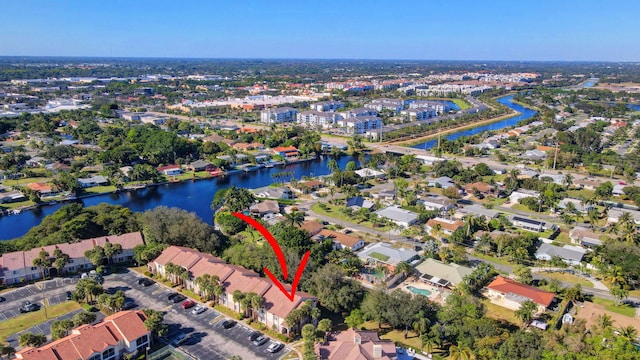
{"points": [[346, 29]]}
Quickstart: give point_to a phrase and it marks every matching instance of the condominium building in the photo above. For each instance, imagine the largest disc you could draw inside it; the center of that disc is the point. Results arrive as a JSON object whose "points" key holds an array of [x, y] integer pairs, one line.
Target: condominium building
{"points": [[278, 115]]}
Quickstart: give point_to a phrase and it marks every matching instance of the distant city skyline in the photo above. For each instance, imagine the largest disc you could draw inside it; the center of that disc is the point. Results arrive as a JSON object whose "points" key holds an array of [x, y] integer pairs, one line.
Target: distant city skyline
{"points": [[405, 30]]}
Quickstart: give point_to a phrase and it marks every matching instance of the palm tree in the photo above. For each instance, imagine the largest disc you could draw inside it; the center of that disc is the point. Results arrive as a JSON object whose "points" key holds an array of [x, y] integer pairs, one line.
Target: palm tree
{"points": [[43, 261], [603, 321], [628, 332], [332, 164], [436, 230], [568, 181], [525, 312], [7, 351], [238, 297], [615, 275], [619, 293], [460, 353], [470, 221], [294, 218], [593, 216], [256, 303], [403, 268]]}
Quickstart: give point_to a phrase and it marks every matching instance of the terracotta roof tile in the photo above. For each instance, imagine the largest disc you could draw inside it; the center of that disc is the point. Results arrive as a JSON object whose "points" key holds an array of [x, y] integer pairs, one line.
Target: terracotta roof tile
{"points": [[506, 285]]}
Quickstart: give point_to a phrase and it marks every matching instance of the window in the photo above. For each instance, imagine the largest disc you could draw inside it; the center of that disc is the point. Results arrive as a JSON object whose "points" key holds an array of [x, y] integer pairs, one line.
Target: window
{"points": [[108, 354], [142, 340], [70, 261], [96, 357], [34, 268]]}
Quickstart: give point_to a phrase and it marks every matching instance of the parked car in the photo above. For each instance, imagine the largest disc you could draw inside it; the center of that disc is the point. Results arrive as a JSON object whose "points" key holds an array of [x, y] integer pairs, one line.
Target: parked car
{"points": [[188, 304], [179, 339], [29, 307], [198, 310], [69, 295], [145, 282], [2, 299], [275, 347], [172, 295], [254, 335], [260, 340], [178, 298], [227, 324]]}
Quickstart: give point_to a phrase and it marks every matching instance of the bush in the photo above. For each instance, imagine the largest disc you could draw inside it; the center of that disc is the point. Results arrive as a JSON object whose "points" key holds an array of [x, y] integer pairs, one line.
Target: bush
{"points": [[148, 274], [89, 308]]}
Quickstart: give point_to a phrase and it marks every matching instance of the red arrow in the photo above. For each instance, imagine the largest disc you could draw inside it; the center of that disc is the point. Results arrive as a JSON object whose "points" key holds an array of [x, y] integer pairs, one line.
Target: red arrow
{"points": [[283, 263]]}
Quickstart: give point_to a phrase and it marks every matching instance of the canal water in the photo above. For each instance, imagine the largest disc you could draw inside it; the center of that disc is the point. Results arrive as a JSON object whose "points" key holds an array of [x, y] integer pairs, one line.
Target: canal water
{"points": [[196, 196], [525, 113]]}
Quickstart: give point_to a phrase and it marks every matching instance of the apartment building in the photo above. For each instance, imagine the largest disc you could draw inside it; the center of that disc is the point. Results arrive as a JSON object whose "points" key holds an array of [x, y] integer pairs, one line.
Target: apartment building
{"points": [[360, 124], [278, 115], [327, 106], [323, 119]]}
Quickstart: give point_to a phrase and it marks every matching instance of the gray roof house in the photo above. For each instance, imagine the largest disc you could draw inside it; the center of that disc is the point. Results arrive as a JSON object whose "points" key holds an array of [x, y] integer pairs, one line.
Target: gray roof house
{"points": [[569, 254], [358, 202], [577, 204], [386, 254], [615, 214], [534, 155], [584, 237], [441, 274], [274, 193], [439, 203], [443, 182], [399, 216], [477, 210], [93, 181]]}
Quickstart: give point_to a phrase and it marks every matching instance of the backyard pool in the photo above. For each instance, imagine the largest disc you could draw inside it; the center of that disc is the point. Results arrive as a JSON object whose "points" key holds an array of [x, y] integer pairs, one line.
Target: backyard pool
{"points": [[416, 290]]}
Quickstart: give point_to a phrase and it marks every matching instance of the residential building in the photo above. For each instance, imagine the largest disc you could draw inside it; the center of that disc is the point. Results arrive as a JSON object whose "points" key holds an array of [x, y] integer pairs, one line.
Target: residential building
{"points": [[584, 237], [420, 114], [41, 188], [327, 106], [274, 193], [358, 202], [438, 273], [200, 165], [17, 266], [356, 345], [11, 196], [385, 254], [615, 214], [529, 224], [399, 216], [367, 173], [170, 170], [515, 196], [234, 278], [480, 187], [358, 112], [447, 226], [441, 182], [578, 205], [477, 211], [97, 180], [572, 255], [586, 183], [429, 160], [360, 124], [321, 119], [278, 115], [116, 336], [286, 151], [340, 240], [311, 226], [437, 203], [511, 294], [394, 105], [534, 155], [266, 208]]}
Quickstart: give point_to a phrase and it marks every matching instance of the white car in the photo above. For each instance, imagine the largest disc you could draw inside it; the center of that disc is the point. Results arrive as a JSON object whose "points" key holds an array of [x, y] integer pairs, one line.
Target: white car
{"points": [[198, 310], [275, 347]]}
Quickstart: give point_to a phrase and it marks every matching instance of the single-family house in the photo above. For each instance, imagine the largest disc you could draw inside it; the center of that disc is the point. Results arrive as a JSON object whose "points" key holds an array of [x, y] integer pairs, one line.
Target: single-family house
{"points": [[578, 205], [200, 165], [584, 237], [367, 173], [446, 226], [528, 224], [97, 180], [266, 208], [572, 255], [118, 334], [170, 170], [357, 345], [274, 193], [306, 187], [615, 214], [399, 216], [311, 226], [437, 273], [358, 202], [386, 195], [385, 254], [41, 188], [441, 182], [286, 151], [534, 155], [586, 183], [11, 196], [618, 189], [511, 294], [516, 195], [37, 161], [276, 306], [437, 203], [477, 211], [480, 187], [340, 240], [558, 179]]}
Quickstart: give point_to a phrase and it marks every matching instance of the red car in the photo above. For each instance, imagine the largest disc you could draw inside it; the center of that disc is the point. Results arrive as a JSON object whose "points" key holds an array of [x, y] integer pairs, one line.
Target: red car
{"points": [[188, 304]]}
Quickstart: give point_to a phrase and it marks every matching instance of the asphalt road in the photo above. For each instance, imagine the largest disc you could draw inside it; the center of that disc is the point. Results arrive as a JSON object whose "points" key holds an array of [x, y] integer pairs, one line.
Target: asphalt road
{"points": [[53, 291]]}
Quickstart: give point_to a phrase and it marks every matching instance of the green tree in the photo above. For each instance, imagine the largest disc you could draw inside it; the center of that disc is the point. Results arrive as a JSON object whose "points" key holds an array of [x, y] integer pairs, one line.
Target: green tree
{"points": [[82, 318], [523, 274], [60, 260], [619, 293], [525, 312], [30, 339], [111, 250], [324, 326], [155, 322], [43, 262], [61, 328], [95, 255], [7, 351], [355, 318]]}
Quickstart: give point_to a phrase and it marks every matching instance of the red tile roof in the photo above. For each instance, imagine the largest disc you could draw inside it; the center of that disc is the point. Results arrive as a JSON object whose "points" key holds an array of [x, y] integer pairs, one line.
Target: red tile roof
{"points": [[125, 326], [311, 226], [280, 149], [506, 285], [38, 186], [344, 239], [451, 226], [168, 167]]}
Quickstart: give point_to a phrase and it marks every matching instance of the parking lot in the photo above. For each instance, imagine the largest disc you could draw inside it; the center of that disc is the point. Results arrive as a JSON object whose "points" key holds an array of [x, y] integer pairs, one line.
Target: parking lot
{"points": [[206, 339], [52, 290]]}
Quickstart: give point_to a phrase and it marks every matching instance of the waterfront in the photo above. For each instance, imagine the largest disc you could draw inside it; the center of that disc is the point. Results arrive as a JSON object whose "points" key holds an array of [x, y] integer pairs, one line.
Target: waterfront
{"points": [[525, 113], [196, 196]]}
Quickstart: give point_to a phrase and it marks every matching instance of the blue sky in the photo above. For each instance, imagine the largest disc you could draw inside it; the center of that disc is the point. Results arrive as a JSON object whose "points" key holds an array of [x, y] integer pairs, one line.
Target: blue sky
{"points": [[346, 29]]}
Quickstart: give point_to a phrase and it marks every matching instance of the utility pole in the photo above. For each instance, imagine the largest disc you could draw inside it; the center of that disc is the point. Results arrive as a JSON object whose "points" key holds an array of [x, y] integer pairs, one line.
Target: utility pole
{"points": [[555, 158]]}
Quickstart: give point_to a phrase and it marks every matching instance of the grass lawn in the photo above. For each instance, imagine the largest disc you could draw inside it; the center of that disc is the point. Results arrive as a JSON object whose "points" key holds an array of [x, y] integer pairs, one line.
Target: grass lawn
{"points": [[568, 278], [609, 305], [503, 261], [17, 204], [24, 321], [333, 211], [25, 181], [99, 189], [563, 237], [520, 207], [584, 194], [500, 313], [397, 336]]}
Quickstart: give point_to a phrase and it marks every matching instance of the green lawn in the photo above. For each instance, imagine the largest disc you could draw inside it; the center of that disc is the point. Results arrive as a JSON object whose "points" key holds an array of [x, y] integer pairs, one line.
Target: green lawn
{"points": [[583, 194], [520, 207], [503, 260], [25, 321], [25, 181], [499, 313], [334, 212], [99, 189], [568, 278], [17, 204], [609, 305]]}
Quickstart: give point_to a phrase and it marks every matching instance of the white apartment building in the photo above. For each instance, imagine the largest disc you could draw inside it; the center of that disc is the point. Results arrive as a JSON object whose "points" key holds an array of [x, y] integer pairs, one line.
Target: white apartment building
{"points": [[321, 119], [278, 115], [327, 106], [360, 124]]}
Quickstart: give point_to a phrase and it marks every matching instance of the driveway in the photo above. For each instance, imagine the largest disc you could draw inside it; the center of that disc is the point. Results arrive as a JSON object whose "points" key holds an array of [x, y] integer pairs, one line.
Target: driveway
{"points": [[205, 340]]}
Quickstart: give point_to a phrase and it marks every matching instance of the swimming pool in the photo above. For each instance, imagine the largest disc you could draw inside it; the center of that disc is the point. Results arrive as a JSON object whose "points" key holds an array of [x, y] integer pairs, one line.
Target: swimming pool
{"points": [[416, 290]]}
